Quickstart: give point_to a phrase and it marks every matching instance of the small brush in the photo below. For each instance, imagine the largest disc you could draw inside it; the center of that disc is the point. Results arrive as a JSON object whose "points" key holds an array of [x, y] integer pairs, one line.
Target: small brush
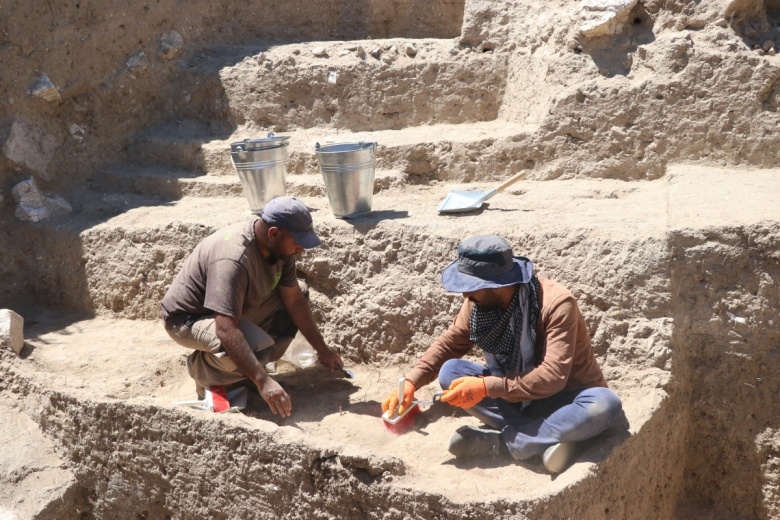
{"points": [[403, 421]]}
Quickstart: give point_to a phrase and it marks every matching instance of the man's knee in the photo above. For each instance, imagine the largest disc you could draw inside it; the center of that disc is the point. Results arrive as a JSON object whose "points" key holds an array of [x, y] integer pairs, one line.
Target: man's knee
{"points": [[606, 405], [453, 369]]}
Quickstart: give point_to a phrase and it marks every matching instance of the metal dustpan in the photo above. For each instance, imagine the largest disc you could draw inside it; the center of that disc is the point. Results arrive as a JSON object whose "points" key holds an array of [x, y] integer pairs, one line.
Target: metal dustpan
{"points": [[459, 201]]}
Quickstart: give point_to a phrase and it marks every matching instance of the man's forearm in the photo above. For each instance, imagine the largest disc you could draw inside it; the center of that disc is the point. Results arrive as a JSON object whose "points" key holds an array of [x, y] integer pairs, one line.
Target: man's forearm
{"points": [[237, 348]]}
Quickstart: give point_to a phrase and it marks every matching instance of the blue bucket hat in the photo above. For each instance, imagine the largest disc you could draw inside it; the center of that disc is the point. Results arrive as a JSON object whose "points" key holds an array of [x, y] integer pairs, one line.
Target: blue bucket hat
{"points": [[485, 262]]}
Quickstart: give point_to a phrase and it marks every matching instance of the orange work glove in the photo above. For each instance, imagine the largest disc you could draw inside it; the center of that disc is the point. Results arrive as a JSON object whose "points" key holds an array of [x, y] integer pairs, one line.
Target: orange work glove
{"points": [[465, 392], [391, 401]]}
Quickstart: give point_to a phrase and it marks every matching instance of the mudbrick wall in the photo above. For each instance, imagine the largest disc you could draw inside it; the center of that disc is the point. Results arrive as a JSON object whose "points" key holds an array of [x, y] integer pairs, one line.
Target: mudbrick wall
{"points": [[726, 322]]}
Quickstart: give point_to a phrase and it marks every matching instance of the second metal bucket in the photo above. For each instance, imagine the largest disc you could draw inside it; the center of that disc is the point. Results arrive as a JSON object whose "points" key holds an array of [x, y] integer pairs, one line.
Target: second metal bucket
{"points": [[261, 165], [348, 170]]}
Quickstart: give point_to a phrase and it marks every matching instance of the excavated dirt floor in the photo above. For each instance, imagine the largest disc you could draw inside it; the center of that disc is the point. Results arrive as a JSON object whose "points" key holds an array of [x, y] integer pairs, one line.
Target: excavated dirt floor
{"points": [[647, 136]]}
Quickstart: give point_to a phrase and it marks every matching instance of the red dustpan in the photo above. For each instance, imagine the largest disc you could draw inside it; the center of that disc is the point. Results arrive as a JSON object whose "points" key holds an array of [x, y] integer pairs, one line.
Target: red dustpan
{"points": [[401, 423]]}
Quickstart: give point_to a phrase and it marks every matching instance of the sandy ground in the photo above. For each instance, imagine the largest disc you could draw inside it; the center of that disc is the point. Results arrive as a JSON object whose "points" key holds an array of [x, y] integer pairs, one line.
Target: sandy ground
{"points": [[135, 362]]}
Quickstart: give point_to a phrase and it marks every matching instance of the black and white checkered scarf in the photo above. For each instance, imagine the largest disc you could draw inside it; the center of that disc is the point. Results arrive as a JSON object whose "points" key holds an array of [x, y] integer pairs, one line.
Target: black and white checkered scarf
{"points": [[510, 334]]}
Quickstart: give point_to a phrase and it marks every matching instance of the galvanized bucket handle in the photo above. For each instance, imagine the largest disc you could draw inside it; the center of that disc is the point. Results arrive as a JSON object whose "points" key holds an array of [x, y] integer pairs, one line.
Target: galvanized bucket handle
{"points": [[246, 140], [372, 149]]}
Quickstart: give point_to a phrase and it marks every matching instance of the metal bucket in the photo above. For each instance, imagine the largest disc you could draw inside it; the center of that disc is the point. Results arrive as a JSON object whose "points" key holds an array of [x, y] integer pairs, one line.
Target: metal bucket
{"points": [[261, 165], [348, 170]]}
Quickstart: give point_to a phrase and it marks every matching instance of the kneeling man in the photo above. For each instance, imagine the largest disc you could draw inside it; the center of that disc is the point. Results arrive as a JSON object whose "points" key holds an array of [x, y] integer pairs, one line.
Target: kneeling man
{"points": [[541, 389]]}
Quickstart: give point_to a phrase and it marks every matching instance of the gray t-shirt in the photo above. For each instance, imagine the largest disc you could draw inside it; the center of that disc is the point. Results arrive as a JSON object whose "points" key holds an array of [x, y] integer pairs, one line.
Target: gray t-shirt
{"points": [[227, 274]]}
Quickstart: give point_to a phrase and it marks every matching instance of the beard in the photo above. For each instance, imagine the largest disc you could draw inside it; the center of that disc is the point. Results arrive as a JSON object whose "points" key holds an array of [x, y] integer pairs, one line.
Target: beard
{"points": [[277, 254], [489, 300]]}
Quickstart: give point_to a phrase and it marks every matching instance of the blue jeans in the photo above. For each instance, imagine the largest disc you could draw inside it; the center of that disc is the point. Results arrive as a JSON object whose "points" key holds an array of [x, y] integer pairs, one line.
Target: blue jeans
{"points": [[568, 416]]}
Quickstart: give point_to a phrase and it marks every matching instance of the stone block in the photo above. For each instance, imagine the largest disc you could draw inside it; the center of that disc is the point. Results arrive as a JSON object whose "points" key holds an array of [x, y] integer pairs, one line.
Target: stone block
{"points": [[34, 206], [29, 145], [604, 17], [11, 330], [45, 89]]}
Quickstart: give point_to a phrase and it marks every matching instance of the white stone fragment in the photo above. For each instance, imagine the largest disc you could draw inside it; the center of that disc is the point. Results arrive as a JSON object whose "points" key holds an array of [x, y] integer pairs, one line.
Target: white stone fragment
{"points": [[34, 206], [737, 319], [45, 89], [29, 145], [320, 52], [11, 330], [170, 45], [138, 63], [361, 52], [411, 51], [604, 17], [77, 132], [376, 52], [769, 44], [617, 133]]}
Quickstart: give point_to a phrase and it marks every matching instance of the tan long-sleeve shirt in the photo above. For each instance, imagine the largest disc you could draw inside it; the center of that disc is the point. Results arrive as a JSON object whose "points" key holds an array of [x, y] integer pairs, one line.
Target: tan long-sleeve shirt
{"points": [[564, 358]]}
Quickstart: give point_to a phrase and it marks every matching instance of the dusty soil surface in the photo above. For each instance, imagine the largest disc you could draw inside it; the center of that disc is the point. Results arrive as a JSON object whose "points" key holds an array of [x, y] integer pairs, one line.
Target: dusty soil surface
{"points": [[328, 407]]}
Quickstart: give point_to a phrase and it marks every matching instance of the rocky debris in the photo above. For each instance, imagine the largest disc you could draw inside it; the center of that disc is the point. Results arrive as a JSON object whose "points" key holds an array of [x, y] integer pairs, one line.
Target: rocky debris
{"points": [[29, 145], [410, 50], [34, 206], [768, 45], [320, 52], [138, 63], [77, 132], [376, 52], [670, 58], [45, 89], [604, 17], [11, 330], [170, 45], [361, 52]]}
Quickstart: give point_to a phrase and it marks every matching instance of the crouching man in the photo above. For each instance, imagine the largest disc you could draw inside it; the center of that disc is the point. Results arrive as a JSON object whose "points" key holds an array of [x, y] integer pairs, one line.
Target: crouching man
{"points": [[541, 389], [237, 303]]}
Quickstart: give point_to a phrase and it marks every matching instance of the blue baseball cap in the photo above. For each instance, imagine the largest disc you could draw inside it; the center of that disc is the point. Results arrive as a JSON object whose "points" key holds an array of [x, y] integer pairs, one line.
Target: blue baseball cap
{"points": [[485, 262], [291, 214]]}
